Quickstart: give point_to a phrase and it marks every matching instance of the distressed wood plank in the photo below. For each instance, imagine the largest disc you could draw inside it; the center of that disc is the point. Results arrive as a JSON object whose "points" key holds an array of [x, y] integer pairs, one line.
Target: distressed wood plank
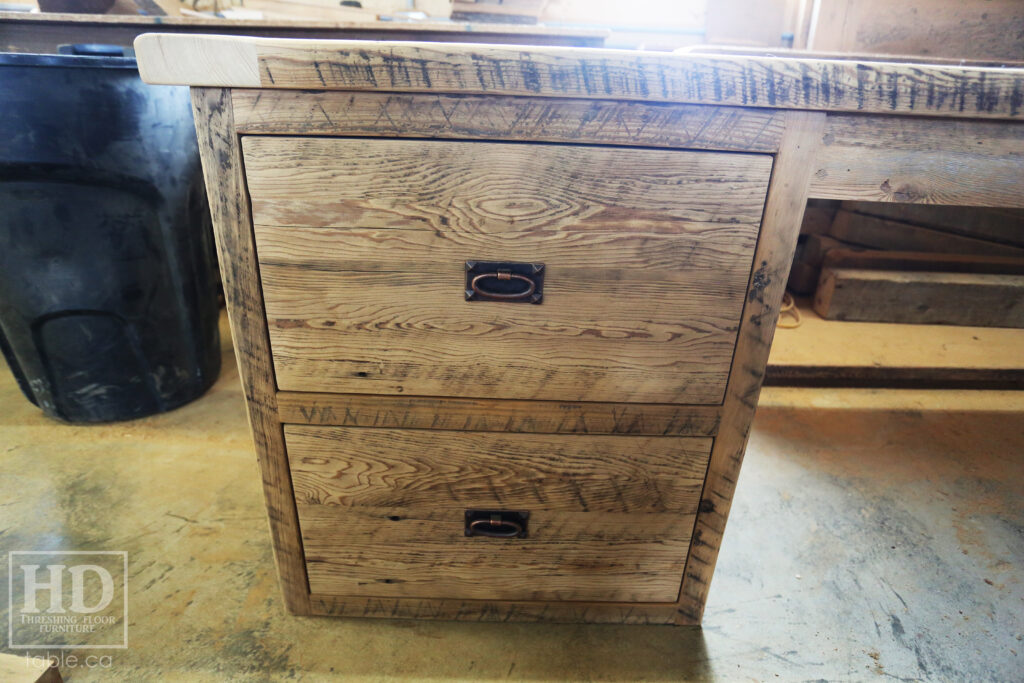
{"points": [[495, 611], [423, 552], [816, 84], [229, 207], [993, 225], [787, 197], [922, 298], [382, 512], [528, 119], [881, 233], [925, 161], [363, 243], [345, 466], [494, 415]]}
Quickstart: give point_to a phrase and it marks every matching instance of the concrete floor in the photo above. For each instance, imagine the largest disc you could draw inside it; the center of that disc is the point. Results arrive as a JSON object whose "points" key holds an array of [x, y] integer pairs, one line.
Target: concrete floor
{"points": [[874, 534]]}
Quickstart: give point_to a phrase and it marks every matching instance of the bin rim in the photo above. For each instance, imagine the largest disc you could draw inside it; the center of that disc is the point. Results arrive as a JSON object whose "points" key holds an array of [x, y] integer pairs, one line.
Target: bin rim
{"points": [[67, 61]]}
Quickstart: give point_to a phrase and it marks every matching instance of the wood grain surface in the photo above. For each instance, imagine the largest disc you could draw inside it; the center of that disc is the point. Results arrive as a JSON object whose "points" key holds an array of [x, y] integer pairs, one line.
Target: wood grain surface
{"points": [[346, 466], [787, 197], [229, 207], [362, 248], [915, 297], [1005, 226], [495, 611], [382, 513], [921, 161], [882, 233], [424, 553], [816, 84], [528, 119], [497, 415]]}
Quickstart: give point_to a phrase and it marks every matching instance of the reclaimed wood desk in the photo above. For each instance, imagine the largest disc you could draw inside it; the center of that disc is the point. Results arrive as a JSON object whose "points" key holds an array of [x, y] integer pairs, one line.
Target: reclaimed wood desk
{"points": [[42, 32], [502, 314]]}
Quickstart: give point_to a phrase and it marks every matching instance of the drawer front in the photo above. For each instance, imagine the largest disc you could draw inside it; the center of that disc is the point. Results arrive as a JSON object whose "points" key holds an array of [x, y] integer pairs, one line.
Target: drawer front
{"points": [[362, 246], [382, 513]]}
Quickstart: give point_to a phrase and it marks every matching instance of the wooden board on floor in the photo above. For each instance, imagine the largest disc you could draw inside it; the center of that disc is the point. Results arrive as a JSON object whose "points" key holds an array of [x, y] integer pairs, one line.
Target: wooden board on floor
{"points": [[915, 297], [861, 354]]}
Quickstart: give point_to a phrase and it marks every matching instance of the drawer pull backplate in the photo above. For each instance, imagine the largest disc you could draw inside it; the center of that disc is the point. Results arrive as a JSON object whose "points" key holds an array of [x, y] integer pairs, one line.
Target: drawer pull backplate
{"points": [[504, 281]]}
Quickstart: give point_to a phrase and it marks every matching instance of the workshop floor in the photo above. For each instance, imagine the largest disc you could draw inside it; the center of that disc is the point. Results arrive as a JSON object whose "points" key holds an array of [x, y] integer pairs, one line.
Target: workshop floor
{"points": [[874, 534]]}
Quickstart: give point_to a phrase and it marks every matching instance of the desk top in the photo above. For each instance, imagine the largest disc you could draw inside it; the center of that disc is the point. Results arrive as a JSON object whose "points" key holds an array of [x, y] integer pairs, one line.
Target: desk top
{"points": [[809, 83]]}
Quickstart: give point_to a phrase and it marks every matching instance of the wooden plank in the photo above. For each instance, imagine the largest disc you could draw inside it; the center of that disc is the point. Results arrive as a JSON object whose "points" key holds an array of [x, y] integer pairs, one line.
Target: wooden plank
{"points": [[382, 512], [787, 197], [494, 415], [423, 552], [967, 29], [43, 32], [818, 216], [363, 243], [803, 277], [926, 161], [827, 85], [817, 247], [495, 611], [18, 669], [916, 351], [229, 207], [916, 297], [894, 377], [810, 252], [994, 225], [527, 119], [923, 261], [880, 233], [352, 466]]}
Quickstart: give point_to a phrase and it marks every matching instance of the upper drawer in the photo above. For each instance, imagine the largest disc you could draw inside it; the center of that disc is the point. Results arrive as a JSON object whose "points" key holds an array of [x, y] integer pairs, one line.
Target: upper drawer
{"points": [[362, 247]]}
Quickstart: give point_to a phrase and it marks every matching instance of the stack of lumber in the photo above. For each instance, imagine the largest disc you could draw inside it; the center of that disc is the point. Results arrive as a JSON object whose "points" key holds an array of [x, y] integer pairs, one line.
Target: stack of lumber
{"points": [[916, 264]]}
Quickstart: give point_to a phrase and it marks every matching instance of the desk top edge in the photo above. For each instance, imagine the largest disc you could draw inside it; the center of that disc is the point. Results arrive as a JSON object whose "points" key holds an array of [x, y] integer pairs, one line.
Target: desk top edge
{"points": [[805, 83]]}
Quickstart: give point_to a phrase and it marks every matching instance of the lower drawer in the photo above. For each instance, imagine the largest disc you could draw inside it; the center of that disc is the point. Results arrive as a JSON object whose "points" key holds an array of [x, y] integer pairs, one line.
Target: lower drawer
{"points": [[382, 513]]}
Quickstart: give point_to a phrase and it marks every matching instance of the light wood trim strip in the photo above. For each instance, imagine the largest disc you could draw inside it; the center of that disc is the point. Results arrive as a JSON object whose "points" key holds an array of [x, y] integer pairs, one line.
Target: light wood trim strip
{"points": [[816, 84], [528, 119], [229, 206], [787, 193], [494, 415], [498, 611], [925, 161]]}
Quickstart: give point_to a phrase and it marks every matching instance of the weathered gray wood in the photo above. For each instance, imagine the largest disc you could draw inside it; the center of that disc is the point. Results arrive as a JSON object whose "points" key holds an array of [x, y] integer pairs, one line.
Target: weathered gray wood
{"points": [[785, 83], [497, 415], [920, 160], [880, 233], [783, 212], [993, 225], [984, 300], [529, 119], [922, 261], [229, 206]]}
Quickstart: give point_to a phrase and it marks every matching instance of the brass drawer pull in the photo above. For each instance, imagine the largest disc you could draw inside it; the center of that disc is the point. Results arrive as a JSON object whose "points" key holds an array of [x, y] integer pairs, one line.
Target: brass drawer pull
{"points": [[496, 523], [503, 275], [504, 281]]}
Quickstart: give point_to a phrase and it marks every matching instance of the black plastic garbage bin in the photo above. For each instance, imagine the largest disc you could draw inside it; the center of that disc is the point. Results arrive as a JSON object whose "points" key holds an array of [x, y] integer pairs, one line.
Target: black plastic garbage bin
{"points": [[108, 307]]}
